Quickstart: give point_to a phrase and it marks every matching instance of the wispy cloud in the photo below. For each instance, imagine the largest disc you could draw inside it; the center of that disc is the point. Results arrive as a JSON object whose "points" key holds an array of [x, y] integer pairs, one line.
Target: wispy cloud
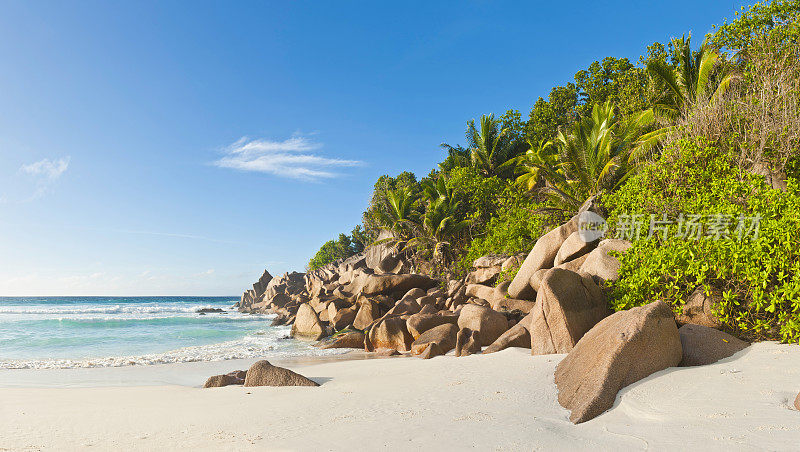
{"points": [[293, 158], [45, 173], [49, 169]]}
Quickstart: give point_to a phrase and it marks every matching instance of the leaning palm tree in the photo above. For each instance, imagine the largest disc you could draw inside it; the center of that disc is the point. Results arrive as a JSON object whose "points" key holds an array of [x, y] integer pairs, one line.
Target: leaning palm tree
{"points": [[529, 166], [397, 214], [691, 81]]}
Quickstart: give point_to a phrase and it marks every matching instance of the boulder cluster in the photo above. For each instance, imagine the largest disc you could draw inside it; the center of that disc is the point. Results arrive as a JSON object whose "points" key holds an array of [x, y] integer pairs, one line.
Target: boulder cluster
{"points": [[555, 304]]}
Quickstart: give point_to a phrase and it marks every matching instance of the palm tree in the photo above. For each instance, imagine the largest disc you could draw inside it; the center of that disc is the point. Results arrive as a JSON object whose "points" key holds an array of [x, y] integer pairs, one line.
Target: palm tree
{"points": [[457, 156], [529, 165], [489, 150], [437, 228], [691, 81], [594, 155], [398, 213]]}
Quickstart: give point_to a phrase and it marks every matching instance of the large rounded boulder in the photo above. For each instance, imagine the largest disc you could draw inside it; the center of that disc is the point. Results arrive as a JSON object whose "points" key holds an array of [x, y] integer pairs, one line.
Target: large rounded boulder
{"points": [[307, 323], [567, 306], [488, 323], [623, 348], [389, 332], [443, 335]]}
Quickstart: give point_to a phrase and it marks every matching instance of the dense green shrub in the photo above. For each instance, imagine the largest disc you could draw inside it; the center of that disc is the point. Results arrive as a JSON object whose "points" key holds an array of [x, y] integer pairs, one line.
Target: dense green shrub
{"points": [[513, 229], [333, 250], [759, 278]]}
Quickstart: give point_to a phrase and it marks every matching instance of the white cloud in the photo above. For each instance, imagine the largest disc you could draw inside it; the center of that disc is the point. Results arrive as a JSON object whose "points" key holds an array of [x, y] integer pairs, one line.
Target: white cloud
{"points": [[292, 158], [47, 169], [45, 173]]}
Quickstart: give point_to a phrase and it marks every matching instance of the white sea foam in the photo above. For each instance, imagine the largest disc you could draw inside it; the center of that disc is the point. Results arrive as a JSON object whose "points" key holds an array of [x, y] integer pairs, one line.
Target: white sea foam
{"points": [[115, 309], [273, 342]]}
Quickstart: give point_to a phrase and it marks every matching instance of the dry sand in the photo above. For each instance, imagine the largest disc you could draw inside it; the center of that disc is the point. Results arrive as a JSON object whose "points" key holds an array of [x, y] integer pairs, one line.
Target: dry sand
{"points": [[503, 401]]}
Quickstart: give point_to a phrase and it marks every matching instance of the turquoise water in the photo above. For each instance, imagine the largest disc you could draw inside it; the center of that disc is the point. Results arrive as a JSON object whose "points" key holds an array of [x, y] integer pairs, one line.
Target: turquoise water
{"points": [[52, 332]]}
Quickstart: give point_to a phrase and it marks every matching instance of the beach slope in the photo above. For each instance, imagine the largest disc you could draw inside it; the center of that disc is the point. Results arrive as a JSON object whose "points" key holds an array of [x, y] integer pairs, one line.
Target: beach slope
{"points": [[502, 401]]}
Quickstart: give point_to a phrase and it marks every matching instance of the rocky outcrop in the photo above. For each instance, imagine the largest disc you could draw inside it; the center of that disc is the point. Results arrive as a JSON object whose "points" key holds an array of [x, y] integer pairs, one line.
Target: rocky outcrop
{"points": [[516, 336], [261, 285], [698, 309], [419, 323], [232, 378], [573, 247], [567, 306], [389, 332], [386, 257], [600, 264], [467, 342], [703, 345], [307, 324], [488, 323], [486, 269], [368, 312], [542, 255], [443, 335], [262, 373], [622, 349], [344, 339]]}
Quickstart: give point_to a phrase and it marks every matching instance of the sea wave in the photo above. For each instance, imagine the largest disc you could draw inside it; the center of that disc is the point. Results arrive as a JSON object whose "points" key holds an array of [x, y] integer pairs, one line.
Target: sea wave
{"points": [[110, 309], [274, 342]]}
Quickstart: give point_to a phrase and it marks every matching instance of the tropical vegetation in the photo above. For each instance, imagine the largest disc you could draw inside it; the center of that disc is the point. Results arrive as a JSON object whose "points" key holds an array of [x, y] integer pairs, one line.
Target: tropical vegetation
{"points": [[708, 129]]}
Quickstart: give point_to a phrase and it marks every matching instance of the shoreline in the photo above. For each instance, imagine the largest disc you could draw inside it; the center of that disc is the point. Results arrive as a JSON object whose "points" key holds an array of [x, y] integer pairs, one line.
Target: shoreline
{"points": [[187, 374], [503, 401]]}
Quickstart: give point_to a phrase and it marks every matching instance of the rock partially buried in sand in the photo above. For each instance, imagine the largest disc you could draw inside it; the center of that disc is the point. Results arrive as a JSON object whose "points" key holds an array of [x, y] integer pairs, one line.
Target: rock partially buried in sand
{"points": [[232, 378], [431, 351], [386, 352], [262, 373], [797, 402], [703, 345], [622, 349]]}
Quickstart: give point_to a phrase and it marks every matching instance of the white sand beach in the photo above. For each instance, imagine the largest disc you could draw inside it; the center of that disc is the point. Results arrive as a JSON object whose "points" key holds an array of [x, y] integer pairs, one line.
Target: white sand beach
{"points": [[502, 401]]}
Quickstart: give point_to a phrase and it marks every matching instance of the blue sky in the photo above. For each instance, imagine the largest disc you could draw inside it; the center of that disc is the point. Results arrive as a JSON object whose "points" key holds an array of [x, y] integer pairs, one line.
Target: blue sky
{"points": [[178, 148]]}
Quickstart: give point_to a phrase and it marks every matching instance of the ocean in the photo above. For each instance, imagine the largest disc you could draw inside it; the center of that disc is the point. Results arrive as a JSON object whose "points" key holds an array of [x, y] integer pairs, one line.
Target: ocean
{"points": [[68, 332]]}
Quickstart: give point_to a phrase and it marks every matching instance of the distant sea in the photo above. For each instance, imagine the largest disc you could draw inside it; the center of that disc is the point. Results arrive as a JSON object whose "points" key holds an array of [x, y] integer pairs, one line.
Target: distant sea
{"points": [[65, 332]]}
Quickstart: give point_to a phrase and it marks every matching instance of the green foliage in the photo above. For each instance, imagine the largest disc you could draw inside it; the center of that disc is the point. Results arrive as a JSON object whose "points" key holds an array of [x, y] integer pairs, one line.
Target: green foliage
{"points": [[614, 80], [547, 116], [696, 78], [478, 197], [380, 206], [593, 156], [759, 278], [332, 250], [514, 228], [780, 18]]}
